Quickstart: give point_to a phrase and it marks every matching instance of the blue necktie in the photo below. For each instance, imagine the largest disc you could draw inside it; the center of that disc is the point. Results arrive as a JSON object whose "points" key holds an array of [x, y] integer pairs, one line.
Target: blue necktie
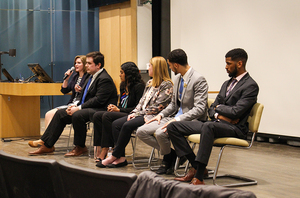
{"points": [[181, 87], [86, 90], [180, 95]]}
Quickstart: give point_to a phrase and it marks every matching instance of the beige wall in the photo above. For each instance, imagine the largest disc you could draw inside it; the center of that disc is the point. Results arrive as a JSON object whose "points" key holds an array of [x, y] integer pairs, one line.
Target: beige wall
{"points": [[118, 36]]}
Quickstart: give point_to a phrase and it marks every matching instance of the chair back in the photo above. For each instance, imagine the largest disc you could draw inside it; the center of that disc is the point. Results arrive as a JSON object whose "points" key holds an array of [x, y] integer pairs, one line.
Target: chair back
{"points": [[85, 182], [3, 191], [255, 116], [210, 101], [25, 177]]}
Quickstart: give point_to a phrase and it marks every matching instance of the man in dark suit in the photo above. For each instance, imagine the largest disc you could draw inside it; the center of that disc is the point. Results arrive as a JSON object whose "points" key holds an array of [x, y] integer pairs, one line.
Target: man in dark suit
{"points": [[229, 114], [98, 92]]}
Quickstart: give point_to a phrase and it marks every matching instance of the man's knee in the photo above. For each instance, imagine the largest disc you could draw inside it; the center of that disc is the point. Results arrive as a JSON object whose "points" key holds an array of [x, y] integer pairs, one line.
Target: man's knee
{"points": [[207, 130], [161, 134]]}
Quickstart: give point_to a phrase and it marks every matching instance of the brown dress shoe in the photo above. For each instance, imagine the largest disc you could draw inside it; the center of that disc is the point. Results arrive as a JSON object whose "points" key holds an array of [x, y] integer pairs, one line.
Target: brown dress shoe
{"points": [[43, 150], [188, 177], [196, 181], [77, 151], [34, 144]]}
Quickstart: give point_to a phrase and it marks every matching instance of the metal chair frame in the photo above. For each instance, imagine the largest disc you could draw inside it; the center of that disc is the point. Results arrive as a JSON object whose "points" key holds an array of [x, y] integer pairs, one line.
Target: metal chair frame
{"points": [[146, 160], [91, 140]]}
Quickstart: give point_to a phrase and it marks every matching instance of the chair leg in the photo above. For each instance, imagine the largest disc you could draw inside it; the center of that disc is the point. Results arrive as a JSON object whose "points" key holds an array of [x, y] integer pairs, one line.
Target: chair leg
{"points": [[246, 182], [91, 143], [177, 165], [68, 144], [134, 161]]}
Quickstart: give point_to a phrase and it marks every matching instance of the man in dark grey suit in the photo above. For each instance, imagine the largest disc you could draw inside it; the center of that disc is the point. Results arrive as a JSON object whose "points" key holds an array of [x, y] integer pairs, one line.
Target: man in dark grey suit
{"points": [[98, 92], [229, 114], [189, 102]]}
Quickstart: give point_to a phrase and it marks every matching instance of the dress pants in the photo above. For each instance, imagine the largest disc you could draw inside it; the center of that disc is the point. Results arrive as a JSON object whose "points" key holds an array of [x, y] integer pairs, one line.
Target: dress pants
{"points": [[61, 119], [103, 127], [122, 130], [209, 131], [161, 140]]}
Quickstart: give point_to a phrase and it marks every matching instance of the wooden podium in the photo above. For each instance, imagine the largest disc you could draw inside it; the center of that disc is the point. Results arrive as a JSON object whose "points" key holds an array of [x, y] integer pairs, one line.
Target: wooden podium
{"points": [[20, 107]]}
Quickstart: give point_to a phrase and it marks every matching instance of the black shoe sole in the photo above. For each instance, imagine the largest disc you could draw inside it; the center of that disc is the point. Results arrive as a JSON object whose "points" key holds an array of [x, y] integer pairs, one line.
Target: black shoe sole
{"points": [[117, 165], [100, 165]]}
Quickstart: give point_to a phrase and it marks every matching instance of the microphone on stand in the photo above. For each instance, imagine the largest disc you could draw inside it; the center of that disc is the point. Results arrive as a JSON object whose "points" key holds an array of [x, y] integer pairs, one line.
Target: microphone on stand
{"points": [[66, 76]]}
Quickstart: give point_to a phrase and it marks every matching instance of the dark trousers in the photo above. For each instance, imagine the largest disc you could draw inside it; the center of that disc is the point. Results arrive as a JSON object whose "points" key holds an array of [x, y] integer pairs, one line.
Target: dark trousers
{"points": [[209, 131], [122, 130], [61, 119], [103, 127]]}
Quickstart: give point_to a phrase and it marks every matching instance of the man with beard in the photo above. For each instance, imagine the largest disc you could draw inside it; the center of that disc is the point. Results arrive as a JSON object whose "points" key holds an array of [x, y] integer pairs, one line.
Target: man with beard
{"points": [[229, 114], [189, 102]]}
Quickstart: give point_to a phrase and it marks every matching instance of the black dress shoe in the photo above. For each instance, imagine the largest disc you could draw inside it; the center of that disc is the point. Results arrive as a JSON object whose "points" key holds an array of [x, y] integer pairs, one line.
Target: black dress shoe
{"points": [[100, 165], [117, 165], [170, 170], [163, 168]]}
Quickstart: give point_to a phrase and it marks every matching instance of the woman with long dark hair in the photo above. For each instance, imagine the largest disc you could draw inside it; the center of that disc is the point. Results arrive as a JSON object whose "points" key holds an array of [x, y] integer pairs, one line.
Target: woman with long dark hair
{"points": [[131, 90]]}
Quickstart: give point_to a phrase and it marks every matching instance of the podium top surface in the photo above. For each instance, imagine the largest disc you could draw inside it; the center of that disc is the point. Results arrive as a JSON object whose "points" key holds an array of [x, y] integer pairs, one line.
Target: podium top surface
{"points": [[30, 89]]}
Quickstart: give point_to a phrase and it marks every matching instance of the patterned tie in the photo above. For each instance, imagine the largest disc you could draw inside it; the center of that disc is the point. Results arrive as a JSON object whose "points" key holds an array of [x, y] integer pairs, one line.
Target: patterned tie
{"points": [[86, 90], [231, 86]]}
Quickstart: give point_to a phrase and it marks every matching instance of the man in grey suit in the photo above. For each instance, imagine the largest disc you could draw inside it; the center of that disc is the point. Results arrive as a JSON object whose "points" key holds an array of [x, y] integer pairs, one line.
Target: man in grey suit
{"points": [[229, 114], [189, 102]]}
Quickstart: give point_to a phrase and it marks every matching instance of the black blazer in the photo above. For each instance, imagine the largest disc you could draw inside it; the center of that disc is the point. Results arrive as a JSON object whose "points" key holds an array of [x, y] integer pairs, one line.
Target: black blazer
{"points": [[71, 85], [134, 97], [101, 93], [238, 103]]}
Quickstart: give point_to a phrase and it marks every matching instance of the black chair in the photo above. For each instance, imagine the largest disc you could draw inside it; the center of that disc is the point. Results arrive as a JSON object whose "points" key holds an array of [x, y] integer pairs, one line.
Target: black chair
{"points": [[84, 182], [3, 191], [26, 177]]}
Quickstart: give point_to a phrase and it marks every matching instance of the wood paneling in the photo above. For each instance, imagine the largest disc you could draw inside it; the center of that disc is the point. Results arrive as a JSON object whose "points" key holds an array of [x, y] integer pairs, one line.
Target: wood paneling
{"points": [[118, 36]]}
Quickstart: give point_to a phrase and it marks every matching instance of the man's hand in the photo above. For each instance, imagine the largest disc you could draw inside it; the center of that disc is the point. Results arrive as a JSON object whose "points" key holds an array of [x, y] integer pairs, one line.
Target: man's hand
{"points": [[165, 126], [71, 110], [158, 118]]}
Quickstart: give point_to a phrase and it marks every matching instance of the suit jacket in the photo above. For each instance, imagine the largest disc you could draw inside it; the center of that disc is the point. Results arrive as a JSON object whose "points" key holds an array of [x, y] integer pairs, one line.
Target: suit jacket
{"points": [[135, 94], [159, 99], [238, 103], [71, 85], [101, 93], [193, 99]]}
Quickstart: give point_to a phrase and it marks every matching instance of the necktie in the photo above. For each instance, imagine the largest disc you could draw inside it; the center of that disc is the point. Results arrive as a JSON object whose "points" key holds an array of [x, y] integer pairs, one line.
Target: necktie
{"points": [[181, 87], [231, 86], [86, 90], [180, 94]]}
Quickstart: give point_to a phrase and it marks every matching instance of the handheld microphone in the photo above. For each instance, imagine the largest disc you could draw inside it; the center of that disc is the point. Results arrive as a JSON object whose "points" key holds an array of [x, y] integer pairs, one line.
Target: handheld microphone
{"points": [[66, 76]]}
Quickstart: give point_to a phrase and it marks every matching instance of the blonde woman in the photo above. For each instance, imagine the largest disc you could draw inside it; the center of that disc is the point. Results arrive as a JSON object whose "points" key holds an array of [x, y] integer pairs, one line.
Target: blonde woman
{"points": [[157, 95]]}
